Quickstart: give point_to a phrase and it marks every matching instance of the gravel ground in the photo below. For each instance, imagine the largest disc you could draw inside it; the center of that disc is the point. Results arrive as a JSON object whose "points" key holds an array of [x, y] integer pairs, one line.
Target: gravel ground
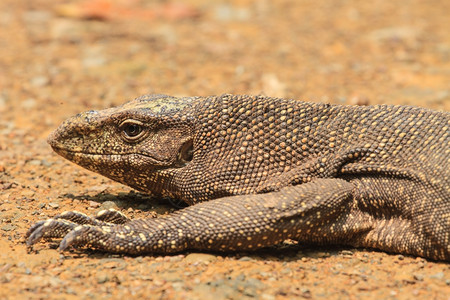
{"points": [[59, 59]]}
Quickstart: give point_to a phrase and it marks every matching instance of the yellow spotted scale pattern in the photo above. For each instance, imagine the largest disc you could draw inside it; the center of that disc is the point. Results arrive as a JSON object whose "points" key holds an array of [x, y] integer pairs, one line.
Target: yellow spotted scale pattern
{"points": [[258, 170]]}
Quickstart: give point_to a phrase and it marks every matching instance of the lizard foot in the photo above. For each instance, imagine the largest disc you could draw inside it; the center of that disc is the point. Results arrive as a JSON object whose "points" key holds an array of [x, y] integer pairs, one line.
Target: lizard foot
{"points": [[109, 237], [60, 225], [118, 240]]}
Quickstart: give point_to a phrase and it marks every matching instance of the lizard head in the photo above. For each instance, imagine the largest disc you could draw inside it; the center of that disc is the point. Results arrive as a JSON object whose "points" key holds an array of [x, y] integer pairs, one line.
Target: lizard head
{"points": [[129, 143]]}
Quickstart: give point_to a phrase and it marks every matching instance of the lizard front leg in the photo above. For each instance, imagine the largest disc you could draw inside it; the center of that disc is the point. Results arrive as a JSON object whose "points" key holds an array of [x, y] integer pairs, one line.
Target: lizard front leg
{"points": [[308, 212]]}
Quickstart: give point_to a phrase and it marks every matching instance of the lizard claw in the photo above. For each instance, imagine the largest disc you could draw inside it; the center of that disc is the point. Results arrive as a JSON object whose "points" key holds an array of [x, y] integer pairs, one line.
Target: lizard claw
{"points": [[35, 233], [33, 228], [51, 228]]}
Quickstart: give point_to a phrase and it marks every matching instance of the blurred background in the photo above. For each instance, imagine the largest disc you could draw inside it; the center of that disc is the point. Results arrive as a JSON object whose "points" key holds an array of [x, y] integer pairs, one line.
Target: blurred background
{"points": [[92, 54], [58, 58]]}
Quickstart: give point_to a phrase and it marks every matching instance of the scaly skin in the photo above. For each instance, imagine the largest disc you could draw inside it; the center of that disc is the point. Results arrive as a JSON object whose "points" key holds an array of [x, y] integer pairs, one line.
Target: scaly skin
{"points": [[259, 170]]}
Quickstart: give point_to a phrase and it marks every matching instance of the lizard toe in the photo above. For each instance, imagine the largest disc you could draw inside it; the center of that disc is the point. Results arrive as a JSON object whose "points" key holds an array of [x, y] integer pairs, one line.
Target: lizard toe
{"points": [[75, 237], [33, 228], [77, 217], [99, 237], [112, 216]]}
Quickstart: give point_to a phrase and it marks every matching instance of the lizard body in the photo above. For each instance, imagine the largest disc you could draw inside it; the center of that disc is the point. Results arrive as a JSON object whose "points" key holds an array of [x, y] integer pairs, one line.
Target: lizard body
{"points": [[259, 170]]}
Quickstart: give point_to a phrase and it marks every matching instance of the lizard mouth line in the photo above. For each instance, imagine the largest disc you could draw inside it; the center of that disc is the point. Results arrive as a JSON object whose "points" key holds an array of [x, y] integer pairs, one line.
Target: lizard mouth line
{"points": [[64, 152]]}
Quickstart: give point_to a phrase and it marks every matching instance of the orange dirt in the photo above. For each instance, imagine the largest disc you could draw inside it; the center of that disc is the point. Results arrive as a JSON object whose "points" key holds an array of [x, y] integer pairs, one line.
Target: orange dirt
{"points": [[55, 64]]}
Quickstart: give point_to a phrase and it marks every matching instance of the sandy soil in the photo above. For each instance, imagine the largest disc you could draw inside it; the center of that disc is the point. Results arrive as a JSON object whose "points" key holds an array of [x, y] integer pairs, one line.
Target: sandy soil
{"points": [[56, 61]]}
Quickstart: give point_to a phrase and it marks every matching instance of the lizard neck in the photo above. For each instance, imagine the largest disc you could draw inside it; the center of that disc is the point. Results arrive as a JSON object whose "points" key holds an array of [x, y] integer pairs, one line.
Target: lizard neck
{"points": [[236, 132]]}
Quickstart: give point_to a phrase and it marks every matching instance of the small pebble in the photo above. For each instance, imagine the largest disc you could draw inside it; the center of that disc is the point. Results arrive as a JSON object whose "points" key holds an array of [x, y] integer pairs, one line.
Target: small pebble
{"points": [[346, 253], [245, 258], [40, 81], [108, 205], [29, 103], [439, 275], [8, 227], [94, 204], [53, 205], [418, 277], [102, 278], [359, 100], [35, 162], [199, 257]]}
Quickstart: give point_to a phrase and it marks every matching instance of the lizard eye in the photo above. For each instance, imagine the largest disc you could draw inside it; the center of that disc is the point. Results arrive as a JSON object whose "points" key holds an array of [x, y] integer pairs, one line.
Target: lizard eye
{"points": [[131, 129]]}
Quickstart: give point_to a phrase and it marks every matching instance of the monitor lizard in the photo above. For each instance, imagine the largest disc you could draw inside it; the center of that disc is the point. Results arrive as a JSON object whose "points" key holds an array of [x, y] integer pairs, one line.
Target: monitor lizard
{"points": [[257, 170]]}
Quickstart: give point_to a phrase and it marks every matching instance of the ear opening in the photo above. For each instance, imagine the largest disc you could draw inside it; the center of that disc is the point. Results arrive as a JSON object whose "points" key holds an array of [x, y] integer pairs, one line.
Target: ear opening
{"points": [[186, 153]]}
